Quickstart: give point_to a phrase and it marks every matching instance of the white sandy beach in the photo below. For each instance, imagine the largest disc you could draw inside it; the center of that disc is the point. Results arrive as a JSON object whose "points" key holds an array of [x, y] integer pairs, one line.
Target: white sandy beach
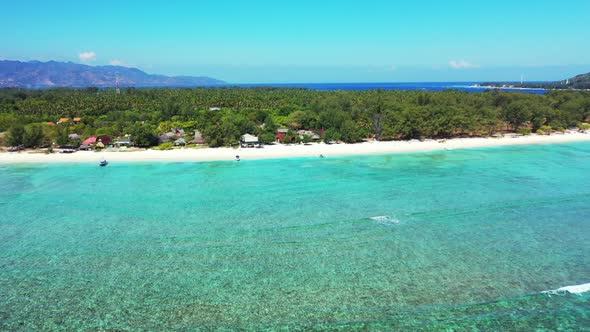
{"points": [[290, 151]]}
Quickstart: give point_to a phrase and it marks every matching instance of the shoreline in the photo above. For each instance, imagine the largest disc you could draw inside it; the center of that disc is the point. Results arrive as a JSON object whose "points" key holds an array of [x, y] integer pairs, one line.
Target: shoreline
{"points": [[279, 151], [508, 88]]}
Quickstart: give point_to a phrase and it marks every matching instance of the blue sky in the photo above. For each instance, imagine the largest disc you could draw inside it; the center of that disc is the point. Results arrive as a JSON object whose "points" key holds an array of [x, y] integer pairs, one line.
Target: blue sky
{"points": [[260, 41]]}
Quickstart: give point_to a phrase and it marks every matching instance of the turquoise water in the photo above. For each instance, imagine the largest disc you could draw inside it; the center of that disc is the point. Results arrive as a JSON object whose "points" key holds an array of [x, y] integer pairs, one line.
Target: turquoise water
{"points": [[457, 240]]}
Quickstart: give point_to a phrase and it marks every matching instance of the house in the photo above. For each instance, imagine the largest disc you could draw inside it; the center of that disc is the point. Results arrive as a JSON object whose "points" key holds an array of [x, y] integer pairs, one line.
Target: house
{"points": [[180, 141], [249, 141], [281, 133], [123, 142], [76, 120], [105, 139], [74, 137], [84, 147], [90, 141], [170, 134], [198, 138], [164, 138], [215, 108], [63, 120], [314, 136], [51, 123]]}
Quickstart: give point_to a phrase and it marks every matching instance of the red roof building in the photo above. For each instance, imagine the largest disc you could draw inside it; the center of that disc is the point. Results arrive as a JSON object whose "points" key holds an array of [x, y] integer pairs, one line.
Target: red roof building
{"points": [[105, 139], [281, 136], [89, 140]]}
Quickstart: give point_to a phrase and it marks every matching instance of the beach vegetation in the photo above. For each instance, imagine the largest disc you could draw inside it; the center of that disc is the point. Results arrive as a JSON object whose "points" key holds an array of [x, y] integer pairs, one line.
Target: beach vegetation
{"points": [[544, 130], [267, 137], [306, 139], [33, 135], [517, 113], [331, 136], [165, 146], [143, 135], [288, 139], [524, 132], [346, 116], [16, 135], [62, 135]]}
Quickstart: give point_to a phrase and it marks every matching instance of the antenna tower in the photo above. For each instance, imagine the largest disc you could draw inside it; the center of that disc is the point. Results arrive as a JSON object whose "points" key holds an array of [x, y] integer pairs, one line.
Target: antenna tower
{"points": [[117, 84]]}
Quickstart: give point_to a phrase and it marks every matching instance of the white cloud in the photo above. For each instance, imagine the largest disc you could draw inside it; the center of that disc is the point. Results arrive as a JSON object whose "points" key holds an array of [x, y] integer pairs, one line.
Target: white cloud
{"points": [[116, 62], [462, 64], [87, 56]]}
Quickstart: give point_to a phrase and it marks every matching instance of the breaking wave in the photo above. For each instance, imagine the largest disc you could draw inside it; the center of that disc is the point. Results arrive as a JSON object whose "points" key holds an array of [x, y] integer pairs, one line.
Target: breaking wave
{"points": [[385, 220], [575, 289]]}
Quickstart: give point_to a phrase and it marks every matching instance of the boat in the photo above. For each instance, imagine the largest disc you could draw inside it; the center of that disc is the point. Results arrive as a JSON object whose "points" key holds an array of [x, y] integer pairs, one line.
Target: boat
{"points": [[103, 162]]}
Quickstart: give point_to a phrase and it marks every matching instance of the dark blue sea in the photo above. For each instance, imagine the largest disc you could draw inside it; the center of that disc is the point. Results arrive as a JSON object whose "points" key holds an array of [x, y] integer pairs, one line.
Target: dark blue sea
{"points": [[425, 86]]}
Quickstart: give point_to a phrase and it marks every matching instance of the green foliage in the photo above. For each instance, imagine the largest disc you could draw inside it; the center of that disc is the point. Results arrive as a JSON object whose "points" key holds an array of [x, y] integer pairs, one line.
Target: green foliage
{"points": [[104, 131], [350, 132], [143, 135], [269, 124], [524, 132], [33, 135], [225, 133], [267, 138], [517, 113], [348, 116], [288, 139], [584, 126], [16, 135], [331, 135], [544, 130], [165, 146], [62, 135]]}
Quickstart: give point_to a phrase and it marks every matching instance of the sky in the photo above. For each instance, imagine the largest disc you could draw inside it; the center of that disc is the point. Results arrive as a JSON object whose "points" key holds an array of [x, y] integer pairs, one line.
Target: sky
{"points": [[260, 41]]}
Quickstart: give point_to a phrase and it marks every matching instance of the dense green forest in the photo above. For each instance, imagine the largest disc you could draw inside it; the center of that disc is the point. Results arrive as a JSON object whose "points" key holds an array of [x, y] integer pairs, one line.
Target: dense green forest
{"points": [[347, 116]]}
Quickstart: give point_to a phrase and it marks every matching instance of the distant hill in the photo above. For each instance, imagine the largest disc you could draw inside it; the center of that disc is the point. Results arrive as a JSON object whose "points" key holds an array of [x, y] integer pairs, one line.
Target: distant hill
{"points": [[36, 74], [577, 82]]}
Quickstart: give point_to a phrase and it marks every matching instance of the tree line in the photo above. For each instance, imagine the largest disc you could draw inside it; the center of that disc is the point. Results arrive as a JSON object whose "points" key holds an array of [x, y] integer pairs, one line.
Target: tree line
{"points": [[224, 114]]}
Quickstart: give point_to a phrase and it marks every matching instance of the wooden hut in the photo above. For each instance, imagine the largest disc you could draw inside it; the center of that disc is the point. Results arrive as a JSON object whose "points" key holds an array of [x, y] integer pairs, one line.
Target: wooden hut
{"points": [[249, 141]]}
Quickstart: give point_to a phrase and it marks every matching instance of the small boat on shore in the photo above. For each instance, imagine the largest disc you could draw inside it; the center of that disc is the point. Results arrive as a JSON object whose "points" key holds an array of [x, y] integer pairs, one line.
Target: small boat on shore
{"points": [[103, 162]]}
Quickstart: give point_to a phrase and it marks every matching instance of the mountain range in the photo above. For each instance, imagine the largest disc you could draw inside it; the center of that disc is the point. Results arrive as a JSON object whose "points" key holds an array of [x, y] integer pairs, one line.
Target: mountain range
{"points": [[37, 74]]}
